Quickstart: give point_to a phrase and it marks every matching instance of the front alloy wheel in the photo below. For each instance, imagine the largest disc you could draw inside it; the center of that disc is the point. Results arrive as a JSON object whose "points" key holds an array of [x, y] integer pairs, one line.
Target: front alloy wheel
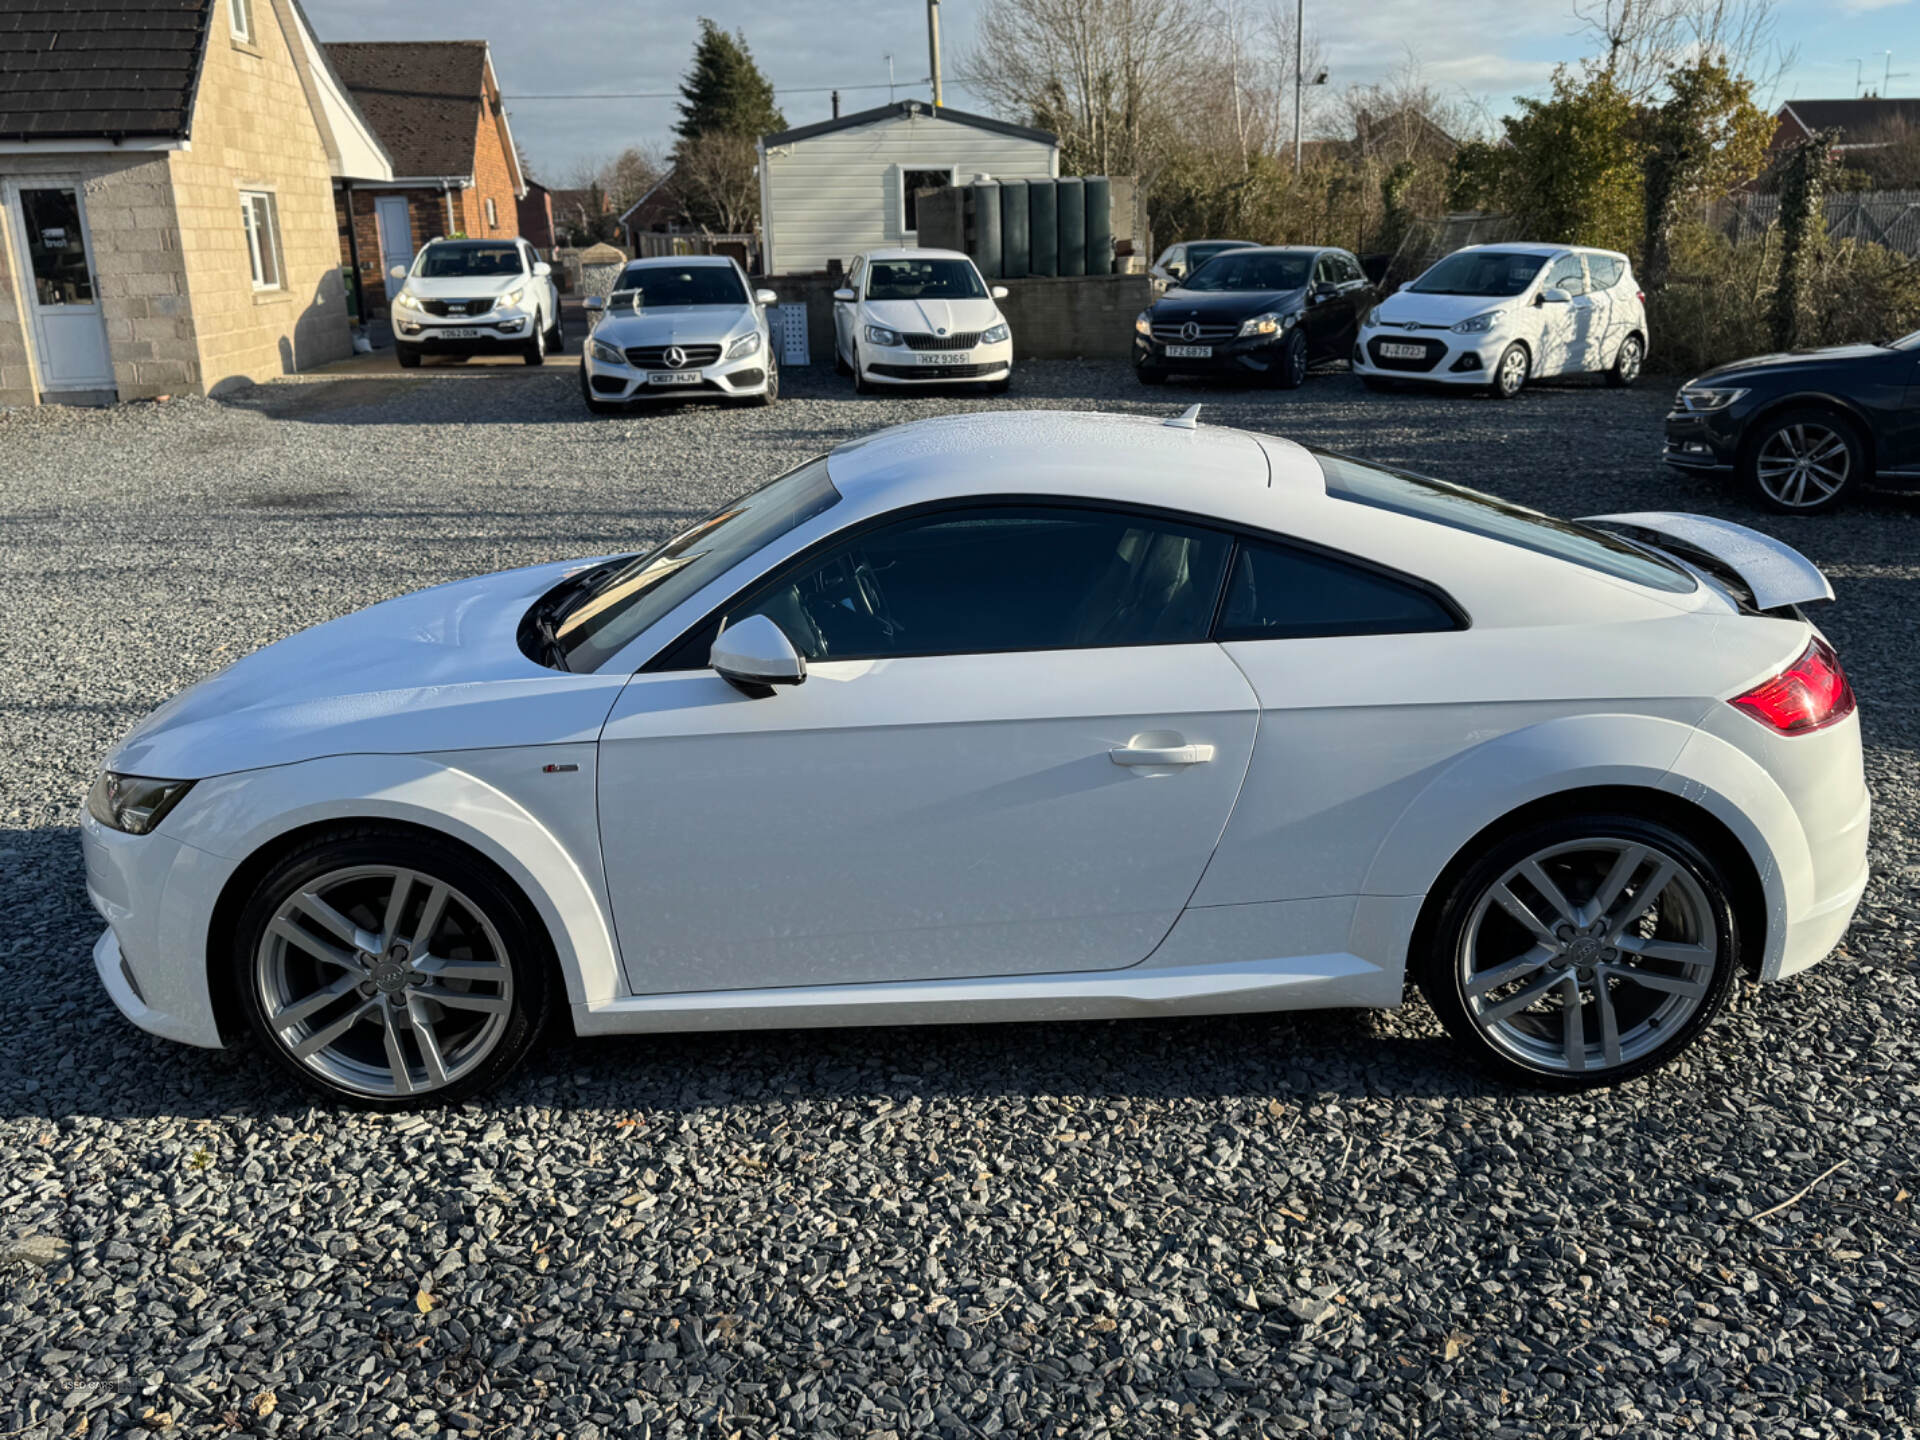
{"points": [[1583, 952], [390, 972], [1510, 374], [1803, 463]]}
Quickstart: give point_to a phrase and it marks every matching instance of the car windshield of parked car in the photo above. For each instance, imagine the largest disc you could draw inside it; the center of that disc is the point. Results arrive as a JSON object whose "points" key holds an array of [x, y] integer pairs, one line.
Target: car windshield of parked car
{"points": [[620, 605], [1239, 270], [1480, 272], [479, 260], [1906, 342], [1463, 509], [655, 287], [1198, 255], [924, 280]]}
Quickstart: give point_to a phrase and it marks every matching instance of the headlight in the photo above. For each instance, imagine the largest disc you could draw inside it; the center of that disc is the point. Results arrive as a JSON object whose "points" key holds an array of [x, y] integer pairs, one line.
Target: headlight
{"points": [[1143, 323], [405, 301], [133, 804], [1692, 399], [880, 335], [1373, 318], [608, 354], [1477, 324], [510, 299], [746, 345], [995, 334], [1267, 324]]}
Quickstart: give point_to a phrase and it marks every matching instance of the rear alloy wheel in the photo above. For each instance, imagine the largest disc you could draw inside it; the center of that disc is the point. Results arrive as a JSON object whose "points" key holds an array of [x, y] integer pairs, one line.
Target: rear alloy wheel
{"points": [[1803, 463], [1290, 370], [1626, 364], [1582, 951], [390, 969], [1511, 373]]}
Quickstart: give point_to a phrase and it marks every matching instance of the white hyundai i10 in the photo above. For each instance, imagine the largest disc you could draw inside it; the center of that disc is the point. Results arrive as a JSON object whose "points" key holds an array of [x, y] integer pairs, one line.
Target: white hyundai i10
{"points": [[1015, 716]]}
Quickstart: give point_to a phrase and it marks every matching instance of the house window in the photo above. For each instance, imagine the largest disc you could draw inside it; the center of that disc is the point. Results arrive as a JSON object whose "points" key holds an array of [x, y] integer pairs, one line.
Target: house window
{"points": [[912, 181], [262, 219], [493, 215], [240, 19]]}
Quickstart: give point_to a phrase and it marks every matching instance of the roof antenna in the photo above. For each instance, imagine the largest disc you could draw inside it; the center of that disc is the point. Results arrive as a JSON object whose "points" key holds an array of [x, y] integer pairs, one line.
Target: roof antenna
{"points": [[1187, 419]]}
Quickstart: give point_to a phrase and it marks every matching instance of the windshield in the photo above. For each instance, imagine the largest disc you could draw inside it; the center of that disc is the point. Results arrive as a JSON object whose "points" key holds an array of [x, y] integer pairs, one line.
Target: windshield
{"points": [[1481, 272], [924, 280], [1198, 255], [458, 260], [662, 285], [624, 602], [1497, 519], [1906, 342], [1251, 270]]}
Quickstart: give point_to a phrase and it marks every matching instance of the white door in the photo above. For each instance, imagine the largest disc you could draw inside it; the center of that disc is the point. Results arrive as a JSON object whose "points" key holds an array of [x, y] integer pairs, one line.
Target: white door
{"points": [[924, 816], [56, 263], [1569, 339], [846, 313], [396, 239]]}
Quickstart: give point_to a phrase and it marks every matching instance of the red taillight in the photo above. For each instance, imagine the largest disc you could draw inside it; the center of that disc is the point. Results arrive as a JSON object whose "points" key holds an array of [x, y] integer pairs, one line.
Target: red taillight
{"points": [[1810, 694]]}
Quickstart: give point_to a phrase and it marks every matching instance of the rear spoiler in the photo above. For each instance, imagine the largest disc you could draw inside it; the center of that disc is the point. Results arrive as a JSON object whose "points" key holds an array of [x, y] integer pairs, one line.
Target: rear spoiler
{"points": [[1776, 574]]}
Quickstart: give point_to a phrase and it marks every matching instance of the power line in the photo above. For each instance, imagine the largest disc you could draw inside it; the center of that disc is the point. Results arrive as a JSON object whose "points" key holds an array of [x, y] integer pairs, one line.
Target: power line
{"points": [[675, 94]]}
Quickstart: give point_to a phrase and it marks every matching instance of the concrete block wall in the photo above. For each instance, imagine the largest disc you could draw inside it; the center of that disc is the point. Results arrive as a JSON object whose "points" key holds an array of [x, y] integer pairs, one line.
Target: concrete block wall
{"points": [[253, 130]]}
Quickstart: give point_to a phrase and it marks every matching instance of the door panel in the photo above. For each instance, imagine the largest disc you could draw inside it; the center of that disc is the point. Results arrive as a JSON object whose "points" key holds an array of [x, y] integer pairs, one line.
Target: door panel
{"points": [[917, 818], [69, 330], [396, 239]]}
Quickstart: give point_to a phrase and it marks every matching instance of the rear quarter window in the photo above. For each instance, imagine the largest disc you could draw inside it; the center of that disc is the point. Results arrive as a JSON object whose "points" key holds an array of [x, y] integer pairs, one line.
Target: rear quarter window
{"points": [[1606, 270]]}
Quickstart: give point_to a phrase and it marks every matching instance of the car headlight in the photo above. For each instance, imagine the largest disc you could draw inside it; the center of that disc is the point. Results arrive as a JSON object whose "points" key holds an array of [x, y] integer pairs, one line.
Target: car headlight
{"points": [[880, 335], [747, 344], [1267, 324], [1477, 324], [509, 300], [133, 804], [609, 354], [1373, 319], [405, 301], [995, 334], [1706, 399], [1143, 323]]}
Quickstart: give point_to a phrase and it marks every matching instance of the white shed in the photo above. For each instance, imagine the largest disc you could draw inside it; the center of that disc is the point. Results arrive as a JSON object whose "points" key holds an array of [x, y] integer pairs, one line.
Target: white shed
{"points": [[843, 186]]}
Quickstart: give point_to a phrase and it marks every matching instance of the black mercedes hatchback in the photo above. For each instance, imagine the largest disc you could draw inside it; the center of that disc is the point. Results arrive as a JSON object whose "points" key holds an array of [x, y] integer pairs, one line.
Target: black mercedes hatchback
{"points": [[1804, 430], [1265, 313]]}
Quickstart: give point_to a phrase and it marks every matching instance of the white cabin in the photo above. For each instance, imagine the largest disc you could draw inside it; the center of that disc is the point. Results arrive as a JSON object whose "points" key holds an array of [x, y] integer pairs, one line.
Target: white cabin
{"points": [[833, 190]]}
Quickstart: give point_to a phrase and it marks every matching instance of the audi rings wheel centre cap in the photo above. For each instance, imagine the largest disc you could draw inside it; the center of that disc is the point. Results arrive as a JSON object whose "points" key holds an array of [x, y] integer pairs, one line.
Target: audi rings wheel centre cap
{"points": [[1582, 952], [389, 975]]}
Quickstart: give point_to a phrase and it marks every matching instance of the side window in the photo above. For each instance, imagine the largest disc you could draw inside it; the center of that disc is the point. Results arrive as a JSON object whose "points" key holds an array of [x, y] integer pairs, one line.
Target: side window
{"points": [[1606, 270], [1568, 274], [1279, 593], [1000, 578], [1323, 272], [1350, 270], [857, 273]]}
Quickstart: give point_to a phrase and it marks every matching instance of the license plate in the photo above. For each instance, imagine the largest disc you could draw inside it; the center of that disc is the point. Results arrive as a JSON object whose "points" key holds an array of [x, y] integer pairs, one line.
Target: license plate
{"points": [[1190, 352], [942, 357], [675, 377], [456, 332], [1403, 352]]}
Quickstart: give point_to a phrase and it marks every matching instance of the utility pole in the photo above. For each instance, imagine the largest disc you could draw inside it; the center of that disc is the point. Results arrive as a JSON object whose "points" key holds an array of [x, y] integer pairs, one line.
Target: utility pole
{"points": [[933, 47], [1299, 73]]}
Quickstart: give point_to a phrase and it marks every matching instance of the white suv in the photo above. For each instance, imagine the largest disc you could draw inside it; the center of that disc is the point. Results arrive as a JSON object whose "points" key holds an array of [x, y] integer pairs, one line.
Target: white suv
{"points": [[476, 297], [1497, 316]]}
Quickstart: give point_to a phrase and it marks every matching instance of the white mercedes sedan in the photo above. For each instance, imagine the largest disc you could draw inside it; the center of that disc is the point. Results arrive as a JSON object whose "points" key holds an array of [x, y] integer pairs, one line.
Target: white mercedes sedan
{"points": [[1014, 716]]}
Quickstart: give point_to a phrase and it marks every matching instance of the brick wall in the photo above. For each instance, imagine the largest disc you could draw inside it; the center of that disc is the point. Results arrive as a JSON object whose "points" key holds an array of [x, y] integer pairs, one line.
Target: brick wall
{"points": [[252, 130], [139, 272], [426, 218], [492, 179]]}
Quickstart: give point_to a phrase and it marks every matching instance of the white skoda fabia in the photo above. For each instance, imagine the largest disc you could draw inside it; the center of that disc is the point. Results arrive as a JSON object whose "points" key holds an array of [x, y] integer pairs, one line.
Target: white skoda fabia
{"points": [[1020, 716]]}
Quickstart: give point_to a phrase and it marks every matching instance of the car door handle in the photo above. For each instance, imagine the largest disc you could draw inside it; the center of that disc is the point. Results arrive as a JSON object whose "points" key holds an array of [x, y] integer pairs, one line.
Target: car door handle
{"points": [[1161, 754]]}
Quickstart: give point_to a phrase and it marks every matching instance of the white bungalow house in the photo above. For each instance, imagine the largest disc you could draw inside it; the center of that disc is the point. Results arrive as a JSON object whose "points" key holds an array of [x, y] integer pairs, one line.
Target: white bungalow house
{"points": [[832, 190]]}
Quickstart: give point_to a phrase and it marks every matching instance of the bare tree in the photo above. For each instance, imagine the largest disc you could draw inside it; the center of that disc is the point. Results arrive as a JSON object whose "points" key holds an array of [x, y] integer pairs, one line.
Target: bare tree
{"points": [[1641, 42], [718, 180]]}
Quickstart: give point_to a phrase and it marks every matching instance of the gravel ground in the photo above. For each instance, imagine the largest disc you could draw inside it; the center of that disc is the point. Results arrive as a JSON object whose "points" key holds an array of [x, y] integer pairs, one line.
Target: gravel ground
{"points": [[1317, 1224]]}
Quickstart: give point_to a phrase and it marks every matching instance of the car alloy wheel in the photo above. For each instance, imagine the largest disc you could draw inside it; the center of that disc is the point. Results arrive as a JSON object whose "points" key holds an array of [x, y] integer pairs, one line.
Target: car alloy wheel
{"points": [[1510, 377], [1627, 363], [405, 1009], [536, 352], [1803, 464], [1291, 371]]}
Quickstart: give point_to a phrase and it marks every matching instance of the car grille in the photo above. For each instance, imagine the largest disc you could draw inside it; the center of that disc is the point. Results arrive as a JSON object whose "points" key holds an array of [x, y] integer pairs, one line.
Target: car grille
{"points": [[1431, 350], [444, 308], [920, 340], [1176, 334], [938, 372], [654, 357]]}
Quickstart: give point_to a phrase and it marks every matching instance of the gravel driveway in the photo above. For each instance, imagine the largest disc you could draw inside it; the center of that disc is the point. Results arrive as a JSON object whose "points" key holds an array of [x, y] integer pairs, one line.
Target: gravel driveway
{"points": [[1319, 1224]]}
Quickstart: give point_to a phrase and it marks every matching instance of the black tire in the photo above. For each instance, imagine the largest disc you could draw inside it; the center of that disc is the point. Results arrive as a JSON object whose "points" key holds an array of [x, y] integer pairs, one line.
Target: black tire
{"points": [[840, 366], [557, 334], [407, 355], [1376, 384], [1451, 944], [1627, 363], [1290, 370], [535, 352], [861, 385], [1814, 430], [595, 405], [511, 1028], [771, 394], [1150, 375], [1510, 375], [999, 387]]}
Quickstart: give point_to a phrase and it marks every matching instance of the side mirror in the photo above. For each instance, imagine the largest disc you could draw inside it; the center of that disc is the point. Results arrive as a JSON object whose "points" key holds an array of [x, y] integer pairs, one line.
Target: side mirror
{"points": [[398, 272], [844, 296], [756, 655], [541, 269], [594, 304], [999, 292], [1553, 295], [766, 297]]}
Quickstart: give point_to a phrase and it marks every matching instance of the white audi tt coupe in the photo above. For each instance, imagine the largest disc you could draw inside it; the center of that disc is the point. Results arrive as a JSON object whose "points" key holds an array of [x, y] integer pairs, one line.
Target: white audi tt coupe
{"points": [[1017, 716]]}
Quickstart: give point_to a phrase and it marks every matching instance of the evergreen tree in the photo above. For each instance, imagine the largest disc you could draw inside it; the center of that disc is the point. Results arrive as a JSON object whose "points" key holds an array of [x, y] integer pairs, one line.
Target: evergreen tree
{"points": [[725, 91]]}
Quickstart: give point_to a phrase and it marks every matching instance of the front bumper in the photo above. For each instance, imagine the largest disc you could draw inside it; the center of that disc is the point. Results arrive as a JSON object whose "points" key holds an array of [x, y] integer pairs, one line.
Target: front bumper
{"points": [[495, 334], [1703, 440], [1446, 359], [1250, 356], [617, 383], [901, 365]]}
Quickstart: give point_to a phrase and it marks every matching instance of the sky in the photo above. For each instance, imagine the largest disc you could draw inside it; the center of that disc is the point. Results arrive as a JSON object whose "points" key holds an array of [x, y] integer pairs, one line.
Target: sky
{"points": [[1485, 50]]}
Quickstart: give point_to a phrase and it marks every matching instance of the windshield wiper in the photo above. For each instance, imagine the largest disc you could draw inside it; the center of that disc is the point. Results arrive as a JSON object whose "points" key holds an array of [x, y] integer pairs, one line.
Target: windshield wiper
{"points": [[551, 610]]}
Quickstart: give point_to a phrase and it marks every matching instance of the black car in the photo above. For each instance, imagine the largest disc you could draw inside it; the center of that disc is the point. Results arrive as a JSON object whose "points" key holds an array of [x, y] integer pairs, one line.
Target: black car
{"points": [[1806, 429], [1267, 312]]}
